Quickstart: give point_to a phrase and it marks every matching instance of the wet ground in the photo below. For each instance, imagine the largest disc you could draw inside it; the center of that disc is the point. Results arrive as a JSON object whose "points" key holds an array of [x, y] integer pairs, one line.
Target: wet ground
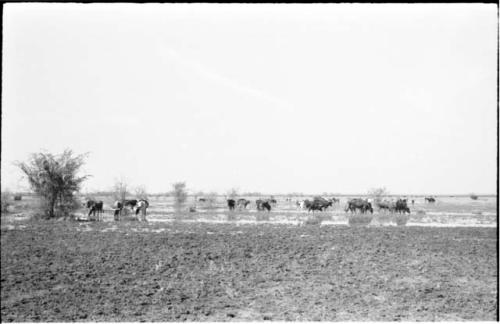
{"points": [[176, 271]]}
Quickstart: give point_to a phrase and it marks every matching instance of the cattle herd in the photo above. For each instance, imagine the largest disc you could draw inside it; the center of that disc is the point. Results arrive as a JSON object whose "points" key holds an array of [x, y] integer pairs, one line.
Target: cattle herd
{"points": [[96, 208], [315, 204]]}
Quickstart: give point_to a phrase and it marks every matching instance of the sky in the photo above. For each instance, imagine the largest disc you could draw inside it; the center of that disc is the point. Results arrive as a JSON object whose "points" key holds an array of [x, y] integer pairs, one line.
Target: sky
{"points": [[274, 98]]}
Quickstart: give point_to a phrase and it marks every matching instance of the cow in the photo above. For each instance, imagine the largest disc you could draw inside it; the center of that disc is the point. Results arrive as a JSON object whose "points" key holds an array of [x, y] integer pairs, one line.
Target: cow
{"points": [[306, 204], [202, 200], [430, 199], [301, 204], [263, 205], [385, 205], [401, 206], [95, 208], [362, 205], [242, 203], [231, 203], [117, 206], [129, 203], [141, 207], [319, 203]]}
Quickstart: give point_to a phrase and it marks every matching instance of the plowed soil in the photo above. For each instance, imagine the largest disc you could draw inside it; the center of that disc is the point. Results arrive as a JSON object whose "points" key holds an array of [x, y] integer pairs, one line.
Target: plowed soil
{"points": [[131, 271]]}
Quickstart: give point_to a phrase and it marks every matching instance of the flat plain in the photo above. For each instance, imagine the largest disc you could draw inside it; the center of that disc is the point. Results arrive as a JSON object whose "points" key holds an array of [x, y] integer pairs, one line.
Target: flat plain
{"points": [[235, 269]]}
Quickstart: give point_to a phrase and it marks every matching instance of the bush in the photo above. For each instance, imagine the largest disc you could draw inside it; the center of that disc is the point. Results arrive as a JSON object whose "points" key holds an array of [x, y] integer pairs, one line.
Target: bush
{"points": [[378, 194], [232, 193], [18, 197], [5, 197], [180, 194], [211, 199], [120, 190], [473, 197], [54, 178], [141, 193]]}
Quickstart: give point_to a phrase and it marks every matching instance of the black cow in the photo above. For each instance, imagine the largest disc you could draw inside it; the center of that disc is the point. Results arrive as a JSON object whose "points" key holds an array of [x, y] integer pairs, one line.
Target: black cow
{"points": [[263, 205], [95, 208], [430, 199], [242, 203], [129, 203], [231, 203], [401, 206], [117, 206], [362, 205], [319, 203]]}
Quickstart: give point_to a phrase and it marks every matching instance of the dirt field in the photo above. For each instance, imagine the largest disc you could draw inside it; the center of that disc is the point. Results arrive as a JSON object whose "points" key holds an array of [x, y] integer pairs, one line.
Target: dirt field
{"points": [[171, 271]]}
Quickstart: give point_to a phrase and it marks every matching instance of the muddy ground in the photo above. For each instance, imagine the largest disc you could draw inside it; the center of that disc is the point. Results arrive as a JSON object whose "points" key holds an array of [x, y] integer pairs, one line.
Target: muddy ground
{"points": [[131, 271]]}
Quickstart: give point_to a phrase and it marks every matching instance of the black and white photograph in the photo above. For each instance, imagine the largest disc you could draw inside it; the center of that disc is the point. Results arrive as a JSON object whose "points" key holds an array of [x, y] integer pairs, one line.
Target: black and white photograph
{"points": [[283, 162]]}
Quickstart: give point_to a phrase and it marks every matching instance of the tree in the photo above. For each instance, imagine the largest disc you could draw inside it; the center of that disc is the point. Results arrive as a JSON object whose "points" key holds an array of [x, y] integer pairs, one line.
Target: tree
{"points": [[55, 179], [232, 193], [378, 193], [180, 194], [120, 189], [141, 192]]}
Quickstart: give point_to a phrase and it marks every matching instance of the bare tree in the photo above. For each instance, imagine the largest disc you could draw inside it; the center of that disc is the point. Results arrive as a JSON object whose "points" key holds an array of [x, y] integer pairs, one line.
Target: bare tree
{"points": [[211, 199], [232, 193], [120, 189], [378, 194], [54, 178], [141, 192]]}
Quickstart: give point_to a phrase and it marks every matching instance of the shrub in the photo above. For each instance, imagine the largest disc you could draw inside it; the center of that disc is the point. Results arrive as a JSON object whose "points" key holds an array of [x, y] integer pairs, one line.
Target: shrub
{"points": [[54, 178], [473, 197], [232, 193], [18, 197], [378, 194], [5, 197], [120, 189], [180, 194], [211, 199], [141, 193]]}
